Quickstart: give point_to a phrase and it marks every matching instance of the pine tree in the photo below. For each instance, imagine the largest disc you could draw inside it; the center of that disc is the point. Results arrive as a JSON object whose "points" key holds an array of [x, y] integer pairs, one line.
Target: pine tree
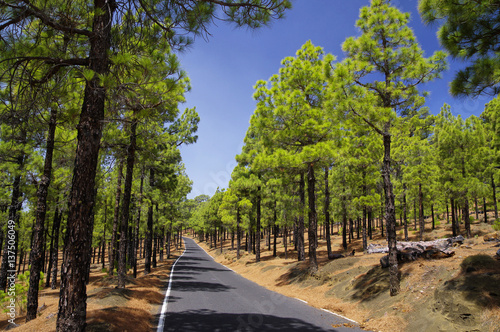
{"points": [[386, 49]]}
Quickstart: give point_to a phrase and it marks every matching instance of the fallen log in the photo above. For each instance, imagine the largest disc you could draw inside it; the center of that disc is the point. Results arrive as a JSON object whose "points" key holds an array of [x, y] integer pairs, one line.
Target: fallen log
{"points": [[410, 251], [443, 244]]}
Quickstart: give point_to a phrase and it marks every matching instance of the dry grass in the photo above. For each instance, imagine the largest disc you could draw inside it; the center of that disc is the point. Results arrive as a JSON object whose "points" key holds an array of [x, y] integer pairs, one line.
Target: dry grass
{"points": [[108, 308]]}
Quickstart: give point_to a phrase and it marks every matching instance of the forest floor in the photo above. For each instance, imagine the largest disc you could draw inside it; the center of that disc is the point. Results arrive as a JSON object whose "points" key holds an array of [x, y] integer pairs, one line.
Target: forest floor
{"points": [[448, 294], [108, 309]]}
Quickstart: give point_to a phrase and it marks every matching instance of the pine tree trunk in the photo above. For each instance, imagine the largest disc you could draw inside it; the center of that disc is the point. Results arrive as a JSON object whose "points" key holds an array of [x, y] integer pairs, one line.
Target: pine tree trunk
{"points": [[465, 216], [238, 233], [365, 239], [476, 208], [405, 219], [421, 212], [116, 218], [484, 209], [127, 194], [148, 241], [390, 216], [301, 254], [55, 250], [257, 238], [453, 218], [47, 279], [313, 219], [433, 219], [155, 250], [285, 244], [495, 206], [327, 216], [73, 296]]}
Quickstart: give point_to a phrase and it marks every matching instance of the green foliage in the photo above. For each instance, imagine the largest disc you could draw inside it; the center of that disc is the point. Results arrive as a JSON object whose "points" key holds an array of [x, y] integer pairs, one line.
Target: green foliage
{"points": [[469, 32], [19, 293], [496, 225]]}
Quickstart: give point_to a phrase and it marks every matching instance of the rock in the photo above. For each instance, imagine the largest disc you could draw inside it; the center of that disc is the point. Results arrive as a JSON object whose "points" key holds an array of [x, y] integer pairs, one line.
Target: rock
{"points": [[490, 237], [11, 326], [497, 256], [42, 308]]}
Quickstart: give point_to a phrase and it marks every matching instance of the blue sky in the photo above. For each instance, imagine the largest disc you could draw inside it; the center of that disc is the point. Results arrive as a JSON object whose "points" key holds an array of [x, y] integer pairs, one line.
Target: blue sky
{"points": [[224, 69]]}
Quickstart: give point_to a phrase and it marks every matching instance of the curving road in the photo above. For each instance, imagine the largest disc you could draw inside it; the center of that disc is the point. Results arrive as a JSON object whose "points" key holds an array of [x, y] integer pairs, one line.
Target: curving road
{"points": [[206, 296]]}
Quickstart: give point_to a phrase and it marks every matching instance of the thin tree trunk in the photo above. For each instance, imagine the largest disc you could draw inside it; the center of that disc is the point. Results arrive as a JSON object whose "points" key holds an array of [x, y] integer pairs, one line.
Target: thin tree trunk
{"points": [[327, 216], [301, 254], [313, 219], [433, 218], [285, 244], [484, 208], [148, 241], [404, 212], [49, 269], [238, 233], [116, 218], [421, 212], [476, 208], [127, 194], [454, 222], [257, 237], [495, 206], [390, 216], [55, 250]]}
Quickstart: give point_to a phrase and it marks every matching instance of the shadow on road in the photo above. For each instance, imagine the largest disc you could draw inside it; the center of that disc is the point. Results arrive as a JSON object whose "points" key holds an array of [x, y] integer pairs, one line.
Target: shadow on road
{"points": [[207, 320]]}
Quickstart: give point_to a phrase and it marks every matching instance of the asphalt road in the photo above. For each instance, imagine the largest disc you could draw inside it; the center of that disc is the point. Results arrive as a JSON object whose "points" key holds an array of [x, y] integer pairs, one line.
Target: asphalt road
{"points": [[206, 296]]}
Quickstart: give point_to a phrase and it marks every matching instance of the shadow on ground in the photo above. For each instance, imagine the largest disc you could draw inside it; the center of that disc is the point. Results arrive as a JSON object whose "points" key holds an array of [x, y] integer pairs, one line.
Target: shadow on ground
{"points": [[209, 320]]}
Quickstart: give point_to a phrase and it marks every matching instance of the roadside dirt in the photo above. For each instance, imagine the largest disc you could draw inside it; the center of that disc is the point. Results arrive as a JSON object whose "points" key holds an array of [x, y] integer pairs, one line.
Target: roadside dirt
{"points": [[459, 293]]}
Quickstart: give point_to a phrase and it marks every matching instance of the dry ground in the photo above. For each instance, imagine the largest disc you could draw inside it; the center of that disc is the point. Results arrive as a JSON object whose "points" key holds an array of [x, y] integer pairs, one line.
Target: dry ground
{"points": [[436, 295], [108, 308]]}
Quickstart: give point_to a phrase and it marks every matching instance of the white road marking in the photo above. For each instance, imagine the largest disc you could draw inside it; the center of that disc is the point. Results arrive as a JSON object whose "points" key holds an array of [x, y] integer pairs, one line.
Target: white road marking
{"points": [[340, 316], [300, 299]]}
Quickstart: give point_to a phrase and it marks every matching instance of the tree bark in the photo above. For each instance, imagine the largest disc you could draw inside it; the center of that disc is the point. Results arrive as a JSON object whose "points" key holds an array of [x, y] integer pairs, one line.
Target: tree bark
{"points": [[421, 212], [390, 216], [484, 209], [55, 250], [454, 222], [301, 254], [148, 241], [257, 231], [36, 256], [238, 233], [495, 206], [311, 183], [73, 296], [404, 212], [116, 218], [327, 215], [122, 262]]}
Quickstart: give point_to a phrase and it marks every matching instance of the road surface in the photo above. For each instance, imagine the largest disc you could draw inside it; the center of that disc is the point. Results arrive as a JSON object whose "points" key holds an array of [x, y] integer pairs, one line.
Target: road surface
{"points": [[206, 296]]}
